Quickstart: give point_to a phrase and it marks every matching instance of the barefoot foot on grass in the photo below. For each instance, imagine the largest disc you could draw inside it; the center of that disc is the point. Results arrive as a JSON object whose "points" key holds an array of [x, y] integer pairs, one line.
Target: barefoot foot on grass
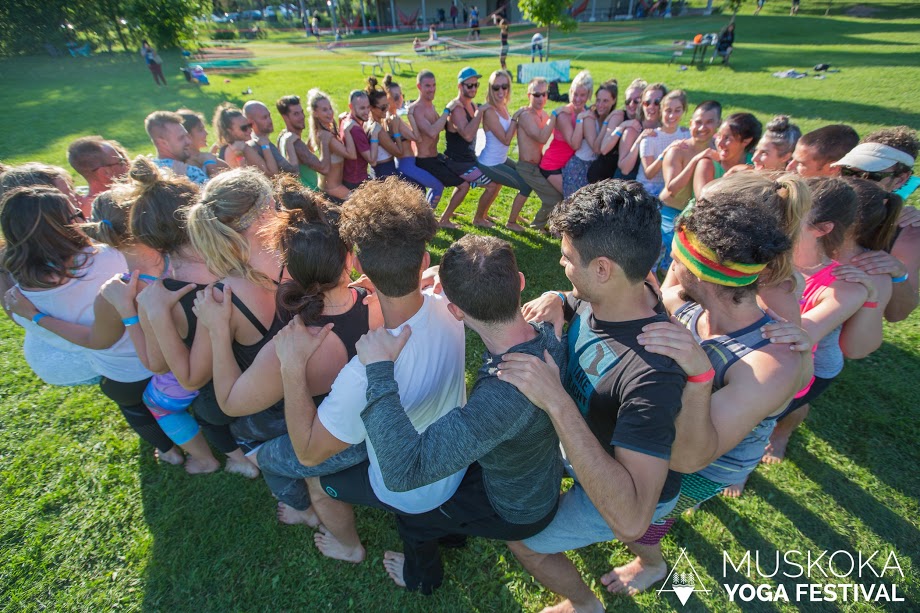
{"points": [[393, 562], [632, 578], [291, 516], [241, 466], [173, 456], [330, 547]]}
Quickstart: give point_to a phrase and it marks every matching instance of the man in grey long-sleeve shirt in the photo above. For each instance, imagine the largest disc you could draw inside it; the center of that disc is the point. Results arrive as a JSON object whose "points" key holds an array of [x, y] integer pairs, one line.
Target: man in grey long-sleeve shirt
{"points": [[512, 486]]}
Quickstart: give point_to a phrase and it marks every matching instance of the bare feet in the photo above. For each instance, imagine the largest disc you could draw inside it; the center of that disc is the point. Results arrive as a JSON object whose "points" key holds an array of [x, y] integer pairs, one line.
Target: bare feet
{"points": [[330, 547], [241, 466], [734, 491], [449, 225], [514, 227], [566, 606], [291, 516], [393, 562], [775, 450], [483, 223], [634, 577], [201, 466], [173, 456]]}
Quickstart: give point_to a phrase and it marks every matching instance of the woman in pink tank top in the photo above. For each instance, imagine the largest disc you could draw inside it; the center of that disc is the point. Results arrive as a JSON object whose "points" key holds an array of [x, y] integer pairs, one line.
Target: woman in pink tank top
{"points": [[568, 133]]}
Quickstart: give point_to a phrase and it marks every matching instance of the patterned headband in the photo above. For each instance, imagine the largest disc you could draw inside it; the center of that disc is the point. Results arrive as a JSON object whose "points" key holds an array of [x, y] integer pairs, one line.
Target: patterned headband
{"points": [[704, 263]]}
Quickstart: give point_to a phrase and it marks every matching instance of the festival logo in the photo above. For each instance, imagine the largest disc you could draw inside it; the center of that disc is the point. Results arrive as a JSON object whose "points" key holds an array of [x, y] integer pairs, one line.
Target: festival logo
{"points": [[683, 579]]}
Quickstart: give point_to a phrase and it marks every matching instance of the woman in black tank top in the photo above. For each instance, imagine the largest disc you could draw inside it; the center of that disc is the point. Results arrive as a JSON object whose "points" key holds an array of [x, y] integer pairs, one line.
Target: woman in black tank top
{"points": [[318, 292]]}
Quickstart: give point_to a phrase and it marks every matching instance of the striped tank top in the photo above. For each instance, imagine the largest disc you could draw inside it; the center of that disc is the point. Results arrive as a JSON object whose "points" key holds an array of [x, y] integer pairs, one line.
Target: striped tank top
{"points": [[723, 351]]}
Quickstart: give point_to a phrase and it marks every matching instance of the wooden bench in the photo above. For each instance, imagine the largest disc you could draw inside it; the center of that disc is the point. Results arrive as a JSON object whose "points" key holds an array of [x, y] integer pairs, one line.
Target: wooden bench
{"points": [[372, 65], [400, 61]]}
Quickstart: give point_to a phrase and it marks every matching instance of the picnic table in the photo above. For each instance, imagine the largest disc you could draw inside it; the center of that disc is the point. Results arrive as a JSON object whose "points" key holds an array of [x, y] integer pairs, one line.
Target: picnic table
{"points": [[699, 50], [385, 56]]}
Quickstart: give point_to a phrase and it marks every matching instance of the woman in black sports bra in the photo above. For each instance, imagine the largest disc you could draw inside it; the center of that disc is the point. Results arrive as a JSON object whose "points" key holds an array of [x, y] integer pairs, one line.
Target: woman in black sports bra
{"points": [[318, 291], [226, 227]]}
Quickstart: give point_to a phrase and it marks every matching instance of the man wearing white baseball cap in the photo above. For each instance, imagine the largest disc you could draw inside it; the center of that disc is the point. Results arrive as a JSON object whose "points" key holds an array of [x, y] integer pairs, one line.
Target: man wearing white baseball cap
{"points": [[883, 164], [887, 157]]}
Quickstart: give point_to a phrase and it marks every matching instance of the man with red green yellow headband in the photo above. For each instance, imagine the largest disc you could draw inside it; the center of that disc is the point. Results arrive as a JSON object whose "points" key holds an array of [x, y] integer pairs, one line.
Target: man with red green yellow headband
{"points": [[720, 248]]}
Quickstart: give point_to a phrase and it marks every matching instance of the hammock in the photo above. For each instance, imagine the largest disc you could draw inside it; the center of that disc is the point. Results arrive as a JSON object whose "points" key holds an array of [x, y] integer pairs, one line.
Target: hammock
{"points": [[409, 20], [578, 10]]}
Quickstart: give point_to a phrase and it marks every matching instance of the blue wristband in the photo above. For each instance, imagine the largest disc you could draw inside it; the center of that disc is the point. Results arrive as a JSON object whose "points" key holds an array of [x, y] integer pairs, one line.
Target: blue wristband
{"points": [[579, 120], [264, 147], [397, 135], [900, 279], [560, 294], [555, 113], [38, 317], [375, 140], [206, 162], [618, 132], [130, 321]]}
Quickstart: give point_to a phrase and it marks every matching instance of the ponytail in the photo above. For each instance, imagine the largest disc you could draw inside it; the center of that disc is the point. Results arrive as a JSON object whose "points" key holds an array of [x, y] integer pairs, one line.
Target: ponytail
{"points": [[794, 203], [110, 219], [877, 213]]}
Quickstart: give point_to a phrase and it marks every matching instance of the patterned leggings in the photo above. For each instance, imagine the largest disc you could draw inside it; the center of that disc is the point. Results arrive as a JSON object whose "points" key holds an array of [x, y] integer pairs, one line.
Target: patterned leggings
{"points": [[694, 489]]}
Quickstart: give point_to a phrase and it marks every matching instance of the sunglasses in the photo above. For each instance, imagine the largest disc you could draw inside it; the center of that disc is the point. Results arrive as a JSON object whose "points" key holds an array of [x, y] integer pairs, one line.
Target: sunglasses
{"points": [[121, 162], [632, 101], [471, 85], [246, 127], [655, 102], [496, 88], [846, 171], [382, 108], [537, 94]]}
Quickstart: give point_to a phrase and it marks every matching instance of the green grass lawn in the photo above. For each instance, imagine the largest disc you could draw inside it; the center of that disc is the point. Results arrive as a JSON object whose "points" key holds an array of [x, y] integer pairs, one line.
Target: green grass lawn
{"points": [[88, 520]]}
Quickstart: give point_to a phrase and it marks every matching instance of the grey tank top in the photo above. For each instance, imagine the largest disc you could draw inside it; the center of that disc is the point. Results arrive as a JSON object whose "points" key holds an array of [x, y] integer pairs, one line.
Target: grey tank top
{"points": [[723, 351]]}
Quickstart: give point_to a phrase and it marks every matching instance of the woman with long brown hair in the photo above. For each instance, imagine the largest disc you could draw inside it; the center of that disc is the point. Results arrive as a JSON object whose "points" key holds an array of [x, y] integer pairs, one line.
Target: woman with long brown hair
{"points": [[323, 131]]}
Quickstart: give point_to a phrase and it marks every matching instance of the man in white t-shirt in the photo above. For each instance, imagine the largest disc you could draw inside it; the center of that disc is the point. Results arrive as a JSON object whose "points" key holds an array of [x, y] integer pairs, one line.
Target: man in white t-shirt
{"points": [[390, 224]]}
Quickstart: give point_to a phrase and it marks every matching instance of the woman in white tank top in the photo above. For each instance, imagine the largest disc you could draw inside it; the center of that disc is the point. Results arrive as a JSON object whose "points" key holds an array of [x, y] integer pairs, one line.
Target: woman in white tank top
{"points": [[492, 153], [60, 273]]}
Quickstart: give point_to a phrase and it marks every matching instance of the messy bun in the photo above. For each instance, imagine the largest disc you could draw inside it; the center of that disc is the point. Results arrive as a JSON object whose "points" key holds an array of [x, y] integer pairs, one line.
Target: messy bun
{"points": [[782, 134], [315, 257], [110, 212]]}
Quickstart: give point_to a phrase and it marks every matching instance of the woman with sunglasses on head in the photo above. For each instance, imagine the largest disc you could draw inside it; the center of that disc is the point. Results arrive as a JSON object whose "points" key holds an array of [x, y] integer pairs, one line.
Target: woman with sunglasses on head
{"points": [[61, 272], [390, 146], [492, 159], [575, 172], [323, 133], [233, 133], [201, 156], [405, 130], [636, 130], [569, 130]]}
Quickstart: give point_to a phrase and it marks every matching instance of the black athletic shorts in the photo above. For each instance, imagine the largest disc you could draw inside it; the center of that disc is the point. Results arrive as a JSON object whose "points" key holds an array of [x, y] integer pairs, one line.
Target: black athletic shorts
{"points": [[437, 166]]}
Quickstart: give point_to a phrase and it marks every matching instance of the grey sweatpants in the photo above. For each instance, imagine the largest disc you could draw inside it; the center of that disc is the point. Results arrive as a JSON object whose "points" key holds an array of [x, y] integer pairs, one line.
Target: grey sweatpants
{"points": [[549, 197]]}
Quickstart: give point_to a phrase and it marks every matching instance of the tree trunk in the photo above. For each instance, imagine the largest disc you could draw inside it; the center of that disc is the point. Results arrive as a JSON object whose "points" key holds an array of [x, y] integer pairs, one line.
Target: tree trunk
{"points": [[548, 28], [121, 35]]}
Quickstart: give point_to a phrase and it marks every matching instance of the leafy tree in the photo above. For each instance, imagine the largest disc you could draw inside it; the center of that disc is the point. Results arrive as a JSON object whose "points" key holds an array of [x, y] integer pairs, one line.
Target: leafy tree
{"points": [[549, 13], [167, 23]]}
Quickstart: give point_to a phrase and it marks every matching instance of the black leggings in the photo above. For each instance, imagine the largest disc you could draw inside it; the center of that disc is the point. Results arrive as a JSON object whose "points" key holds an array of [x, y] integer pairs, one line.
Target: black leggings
{"points": [[215, 424], [130, 400]]}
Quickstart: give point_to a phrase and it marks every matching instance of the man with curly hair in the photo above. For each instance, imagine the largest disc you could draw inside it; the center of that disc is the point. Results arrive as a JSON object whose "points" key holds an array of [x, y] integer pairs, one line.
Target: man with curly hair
{"points": [[390, 224]]}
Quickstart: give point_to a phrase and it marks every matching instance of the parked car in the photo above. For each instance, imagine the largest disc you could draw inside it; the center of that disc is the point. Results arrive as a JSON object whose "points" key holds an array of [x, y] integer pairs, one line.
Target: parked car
{"points": [[220, 18], [251, 15]]}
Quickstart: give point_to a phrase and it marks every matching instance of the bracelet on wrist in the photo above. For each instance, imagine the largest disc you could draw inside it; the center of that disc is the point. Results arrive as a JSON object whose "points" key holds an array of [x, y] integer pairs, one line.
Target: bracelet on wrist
{"points": [[605, 123], [709, 375], [559, 294], [555, 113], [618, 132], [130, 321], [374, 140], [446, 110], [579, 120], [38, 317], [205, 163], [870, 305], [264, 147], [900, 279], [397, 135]]}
